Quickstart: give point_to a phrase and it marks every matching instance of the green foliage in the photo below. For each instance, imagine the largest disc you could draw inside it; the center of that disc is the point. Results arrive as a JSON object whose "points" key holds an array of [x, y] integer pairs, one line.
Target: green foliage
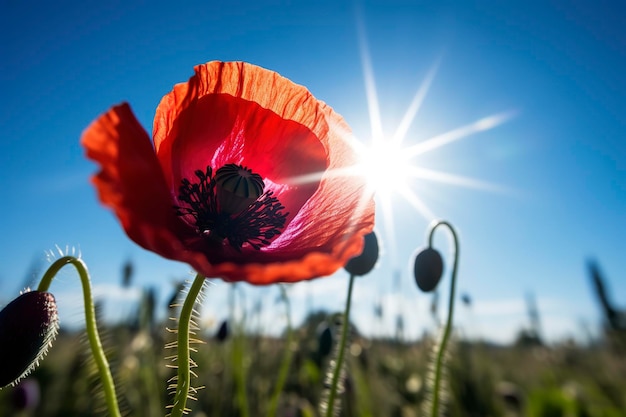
{"points": [[385, 378]]}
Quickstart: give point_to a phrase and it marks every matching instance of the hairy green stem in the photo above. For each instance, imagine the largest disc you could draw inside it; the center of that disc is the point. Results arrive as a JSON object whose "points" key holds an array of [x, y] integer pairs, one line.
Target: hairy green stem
{"points": [[184, 359], [286, 363], [342, 349], [91, 326], [448, 328]]}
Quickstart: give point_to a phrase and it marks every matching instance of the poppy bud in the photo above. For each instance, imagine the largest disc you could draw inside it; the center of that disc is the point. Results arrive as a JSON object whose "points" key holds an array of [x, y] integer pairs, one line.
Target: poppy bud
{"points": [[127, 274], [365, 262], [28, 325], [222, 332], [324, 340], [428, 269]]}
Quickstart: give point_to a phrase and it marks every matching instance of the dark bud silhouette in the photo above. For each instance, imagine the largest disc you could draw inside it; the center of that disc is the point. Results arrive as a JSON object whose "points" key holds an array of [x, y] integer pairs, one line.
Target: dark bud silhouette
{"points": [[127, 274], [28, 325], [222, 332], [365, 262], [324, 340], [428, 269], [466, 299]]}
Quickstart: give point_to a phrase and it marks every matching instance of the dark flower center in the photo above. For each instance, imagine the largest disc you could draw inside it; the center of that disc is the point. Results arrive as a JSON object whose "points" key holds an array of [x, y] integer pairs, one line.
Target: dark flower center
{"points": [[231, 205]]}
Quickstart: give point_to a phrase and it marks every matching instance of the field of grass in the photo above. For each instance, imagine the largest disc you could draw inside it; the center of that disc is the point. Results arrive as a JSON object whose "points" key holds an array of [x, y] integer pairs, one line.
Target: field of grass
{"points": [[237, 375]]}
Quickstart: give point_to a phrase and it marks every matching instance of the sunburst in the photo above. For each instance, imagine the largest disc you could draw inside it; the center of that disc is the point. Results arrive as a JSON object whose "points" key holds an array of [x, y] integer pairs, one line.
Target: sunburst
{"points": [[390, 166]]}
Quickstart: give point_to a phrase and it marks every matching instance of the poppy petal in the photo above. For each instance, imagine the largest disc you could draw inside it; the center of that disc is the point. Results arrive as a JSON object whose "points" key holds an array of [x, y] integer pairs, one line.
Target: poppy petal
{"points": [[131, 181], [209, 119], [243, 114]]}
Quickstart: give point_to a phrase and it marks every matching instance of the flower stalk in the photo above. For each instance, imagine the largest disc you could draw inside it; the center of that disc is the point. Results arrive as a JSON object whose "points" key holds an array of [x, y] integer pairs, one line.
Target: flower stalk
{"points": [[341, 351], [183, 380], [448, 327], [90, 324]]}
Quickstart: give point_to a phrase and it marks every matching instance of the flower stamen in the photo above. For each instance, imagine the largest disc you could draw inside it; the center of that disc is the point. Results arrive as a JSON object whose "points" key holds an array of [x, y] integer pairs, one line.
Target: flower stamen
{"points": [[232, 205]]}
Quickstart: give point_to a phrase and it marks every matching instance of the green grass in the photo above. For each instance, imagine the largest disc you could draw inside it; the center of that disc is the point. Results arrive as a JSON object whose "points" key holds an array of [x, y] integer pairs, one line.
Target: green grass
{"points": [[384, 378]]}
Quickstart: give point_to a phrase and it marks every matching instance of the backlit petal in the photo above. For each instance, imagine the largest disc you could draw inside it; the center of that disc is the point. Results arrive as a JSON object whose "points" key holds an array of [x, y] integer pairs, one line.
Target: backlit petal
{"points": [[242, 114], [131, 182]]}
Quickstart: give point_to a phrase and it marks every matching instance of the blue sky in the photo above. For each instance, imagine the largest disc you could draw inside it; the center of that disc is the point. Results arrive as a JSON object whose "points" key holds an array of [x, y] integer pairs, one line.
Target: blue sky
{"points": [[556, 169]]}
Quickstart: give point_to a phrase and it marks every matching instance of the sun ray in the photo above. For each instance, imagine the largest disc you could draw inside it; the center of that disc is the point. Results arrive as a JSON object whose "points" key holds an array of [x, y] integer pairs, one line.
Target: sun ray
{"points": [[447, 178], [389, 167], [417, 203], [370, 85], [388, 222], [364, 200], [351, 171], [317, 176], [480, 125], [383, 162], [416, 104], [304, 179]]}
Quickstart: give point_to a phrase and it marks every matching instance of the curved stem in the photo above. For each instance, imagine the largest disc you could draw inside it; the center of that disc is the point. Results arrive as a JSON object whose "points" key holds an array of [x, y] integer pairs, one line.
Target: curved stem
{"points": [[286, 363], [342, 350], [184, 359], [448, 329], [90, 324]]}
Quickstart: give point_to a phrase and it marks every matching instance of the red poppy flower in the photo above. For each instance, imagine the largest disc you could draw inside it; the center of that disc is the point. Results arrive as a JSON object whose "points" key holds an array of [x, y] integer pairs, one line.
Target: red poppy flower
{"points": [[248, 180]]}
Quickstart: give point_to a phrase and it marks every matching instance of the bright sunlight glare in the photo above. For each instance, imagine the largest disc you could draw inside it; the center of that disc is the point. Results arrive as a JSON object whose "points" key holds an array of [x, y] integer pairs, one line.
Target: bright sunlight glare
{"points": [[387, 164], [385, 167]]}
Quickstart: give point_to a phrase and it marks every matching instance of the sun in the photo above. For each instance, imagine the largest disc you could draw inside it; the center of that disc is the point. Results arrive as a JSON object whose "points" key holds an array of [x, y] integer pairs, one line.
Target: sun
{"points": [[390, 166], [386, 168]]}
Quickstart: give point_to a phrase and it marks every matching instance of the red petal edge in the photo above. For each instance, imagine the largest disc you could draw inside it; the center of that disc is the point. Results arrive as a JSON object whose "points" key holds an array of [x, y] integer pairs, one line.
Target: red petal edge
{"points": [[131, 182]]}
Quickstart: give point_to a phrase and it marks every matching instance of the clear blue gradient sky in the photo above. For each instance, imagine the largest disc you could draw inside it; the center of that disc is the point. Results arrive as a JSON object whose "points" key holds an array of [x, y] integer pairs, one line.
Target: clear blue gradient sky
{"points": [[559, 164]]}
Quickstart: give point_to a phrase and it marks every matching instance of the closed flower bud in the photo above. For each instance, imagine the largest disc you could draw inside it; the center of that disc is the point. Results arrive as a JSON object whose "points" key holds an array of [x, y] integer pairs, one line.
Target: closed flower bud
{"points": [[324, 340], [222, 332], [28, 325], [428, 269], [365, 262]]}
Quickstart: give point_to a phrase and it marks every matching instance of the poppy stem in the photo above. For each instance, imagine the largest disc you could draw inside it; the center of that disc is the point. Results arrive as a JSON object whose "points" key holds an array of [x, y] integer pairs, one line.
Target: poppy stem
{"points": [[90, 324], [183, 349], [341, 352], [286, 363], [438, 379]]}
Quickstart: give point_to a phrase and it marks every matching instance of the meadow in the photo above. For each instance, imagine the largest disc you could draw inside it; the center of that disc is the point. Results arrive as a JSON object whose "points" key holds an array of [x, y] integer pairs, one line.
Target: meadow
{"points": [[240, 373]]}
